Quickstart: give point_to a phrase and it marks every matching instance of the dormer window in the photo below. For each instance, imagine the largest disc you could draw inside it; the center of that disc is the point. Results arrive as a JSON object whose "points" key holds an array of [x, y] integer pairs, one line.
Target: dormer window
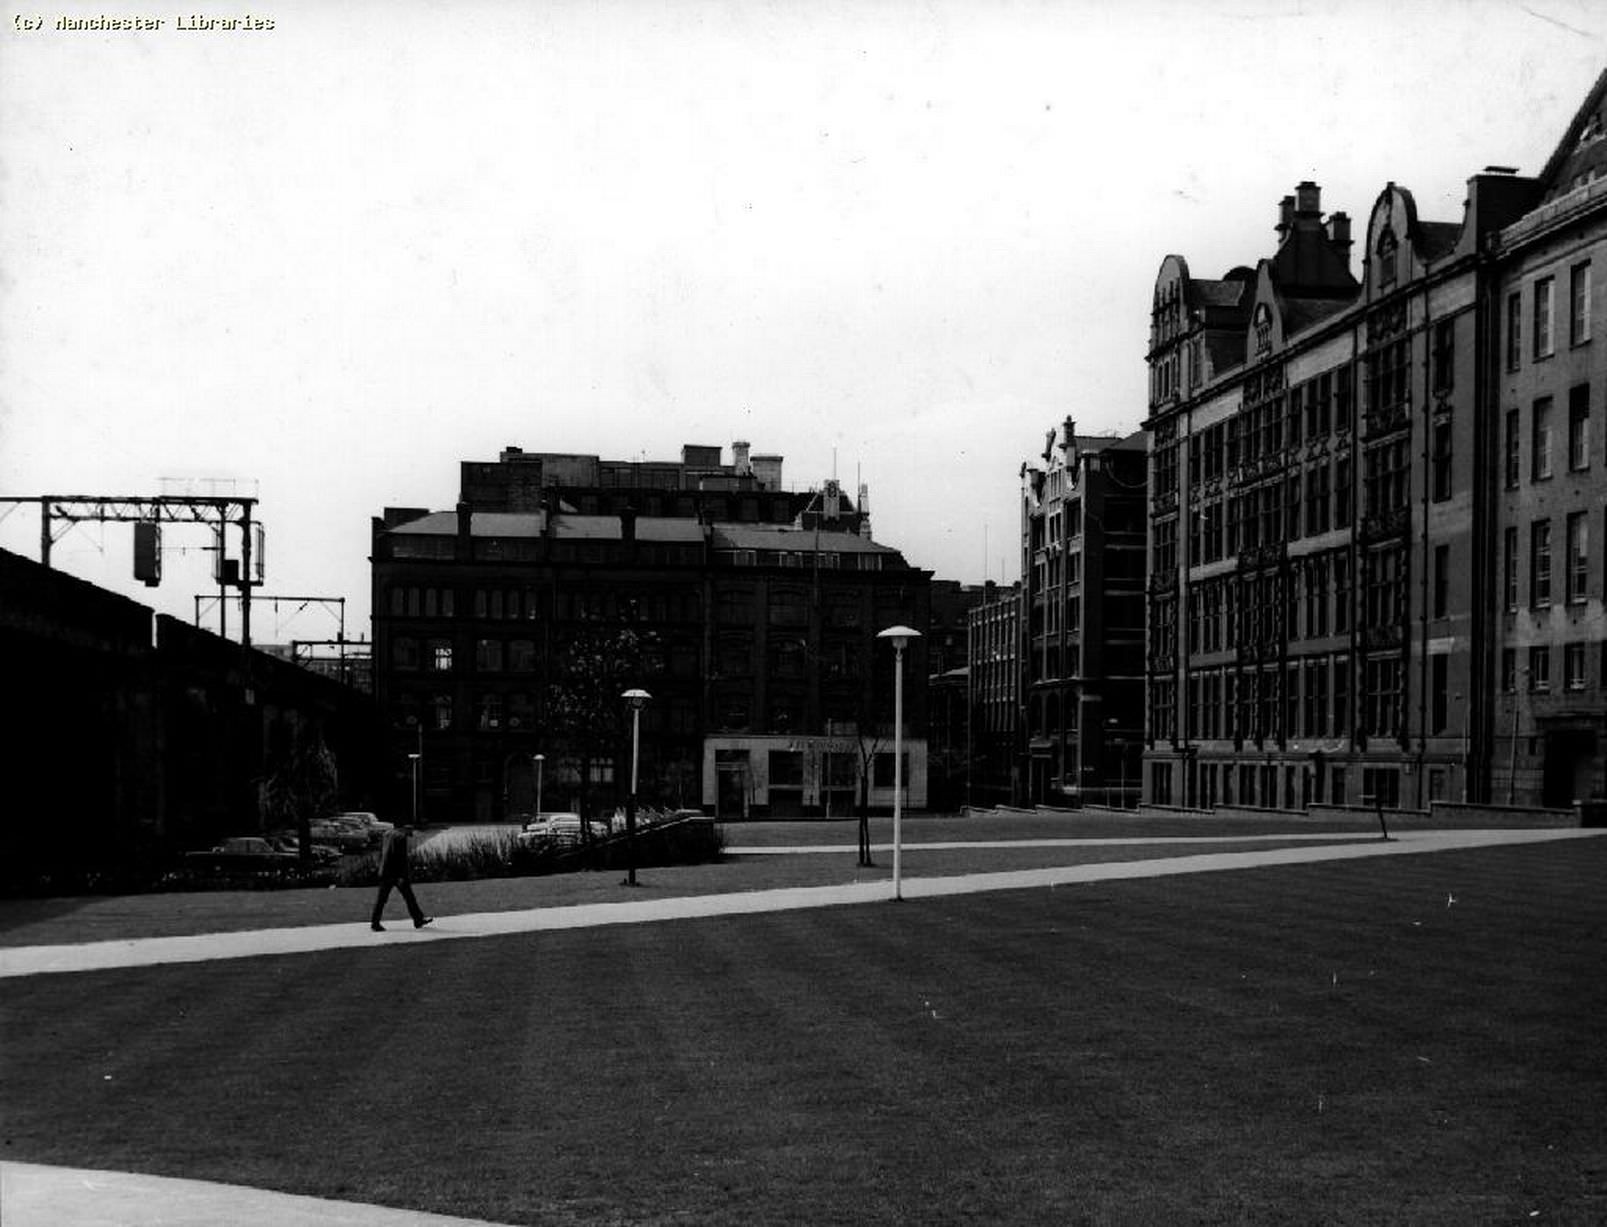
{"points": [[1386, 249]]}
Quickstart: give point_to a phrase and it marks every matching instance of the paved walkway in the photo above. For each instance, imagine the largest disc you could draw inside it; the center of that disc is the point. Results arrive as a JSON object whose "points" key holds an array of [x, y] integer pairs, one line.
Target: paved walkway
{"points": [[39, 1196]]}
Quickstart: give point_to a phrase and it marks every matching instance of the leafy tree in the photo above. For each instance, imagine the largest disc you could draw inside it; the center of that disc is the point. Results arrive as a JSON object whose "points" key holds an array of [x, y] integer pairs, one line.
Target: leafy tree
{"points": [[583, 708], [302, 783]]}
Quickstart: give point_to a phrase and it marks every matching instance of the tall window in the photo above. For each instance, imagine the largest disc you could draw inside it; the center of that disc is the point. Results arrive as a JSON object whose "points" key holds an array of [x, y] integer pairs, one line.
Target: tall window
{"points": [[1573, 666], [1540, 668], [1579, 304], [1578, 545], [1544, 342], [1514, 330], [1509, 569], [1579, 426], [1444, 354], [1540, 564], [1442, 461], [1511, 449], [1540, 458], [1442, 579]]}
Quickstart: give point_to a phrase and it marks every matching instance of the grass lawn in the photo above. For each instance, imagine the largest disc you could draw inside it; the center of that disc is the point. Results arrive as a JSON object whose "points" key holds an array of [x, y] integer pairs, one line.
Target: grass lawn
{"points": [[1333, 1043]]}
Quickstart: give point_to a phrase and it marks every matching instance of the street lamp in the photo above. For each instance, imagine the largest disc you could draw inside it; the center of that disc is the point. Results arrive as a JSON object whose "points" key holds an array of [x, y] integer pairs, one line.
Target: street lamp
{"points": [[899, 637], [636, 699], [539, 758], [413, 765]]}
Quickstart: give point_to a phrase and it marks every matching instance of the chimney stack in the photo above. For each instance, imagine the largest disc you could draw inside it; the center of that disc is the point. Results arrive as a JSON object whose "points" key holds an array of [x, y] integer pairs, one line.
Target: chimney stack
{"points": [[739, 459], [1308, 199], [1286, 216], [1339, 233]]}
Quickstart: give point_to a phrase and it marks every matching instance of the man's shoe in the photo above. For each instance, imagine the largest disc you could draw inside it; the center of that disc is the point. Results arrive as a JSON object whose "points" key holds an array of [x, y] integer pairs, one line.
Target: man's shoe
{"points": [[377, 927], [419, 924]]}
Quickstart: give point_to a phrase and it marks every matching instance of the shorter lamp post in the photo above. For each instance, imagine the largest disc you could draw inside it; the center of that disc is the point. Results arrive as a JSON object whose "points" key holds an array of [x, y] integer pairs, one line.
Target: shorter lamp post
{"points": [[413, 760], [540, 759], [899, 637], [636, 700]]}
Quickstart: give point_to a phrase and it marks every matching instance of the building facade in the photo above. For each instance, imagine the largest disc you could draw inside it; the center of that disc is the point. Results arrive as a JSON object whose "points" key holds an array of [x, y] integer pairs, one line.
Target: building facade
{"points": [[1360, 488], [1082, 619], [993, 680], [505, 631]]}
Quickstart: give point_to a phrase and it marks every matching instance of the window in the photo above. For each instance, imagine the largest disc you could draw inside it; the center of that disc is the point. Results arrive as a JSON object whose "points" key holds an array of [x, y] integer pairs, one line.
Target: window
{"points": [[490, 711], [404, 653], [1511, 449], [1439, 691], [1579, 304], [1540, 457], [1577, 579], [1509, 570], [1514, 330], [1442, 578], [1544, 343], [1509, 670], [488, 656], [1444, 354], [1540, 668], [1343, 503], [441, 705], [1579, 427], [1540, 564], [1381, 695], [1573, 666], [1442, 461], [441, 657]]}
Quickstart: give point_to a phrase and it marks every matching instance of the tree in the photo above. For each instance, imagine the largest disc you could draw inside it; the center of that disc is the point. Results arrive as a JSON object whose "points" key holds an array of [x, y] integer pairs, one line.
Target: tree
{"points": [[583, 708], [868, 745], [303, 783]]}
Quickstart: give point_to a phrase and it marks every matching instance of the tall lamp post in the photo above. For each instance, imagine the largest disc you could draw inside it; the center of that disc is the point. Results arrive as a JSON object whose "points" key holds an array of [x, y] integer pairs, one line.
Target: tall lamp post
{"points": [[899, 637], [636, 699], [540, 759], [412, 760]]}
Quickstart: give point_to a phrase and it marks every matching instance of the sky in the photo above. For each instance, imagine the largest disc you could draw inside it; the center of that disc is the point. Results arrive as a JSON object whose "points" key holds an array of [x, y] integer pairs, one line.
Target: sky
{"points": [[890, 241]]}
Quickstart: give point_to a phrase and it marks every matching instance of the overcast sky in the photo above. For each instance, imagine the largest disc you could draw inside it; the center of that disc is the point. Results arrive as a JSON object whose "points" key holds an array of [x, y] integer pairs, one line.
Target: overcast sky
{"points": [[894, 240]]}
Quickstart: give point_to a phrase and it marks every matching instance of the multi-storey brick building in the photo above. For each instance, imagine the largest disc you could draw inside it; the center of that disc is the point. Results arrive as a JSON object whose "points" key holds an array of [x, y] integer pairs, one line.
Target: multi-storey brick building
{"points": [[749, 612], [1082, 618], [1350, 477], [993, 682]]}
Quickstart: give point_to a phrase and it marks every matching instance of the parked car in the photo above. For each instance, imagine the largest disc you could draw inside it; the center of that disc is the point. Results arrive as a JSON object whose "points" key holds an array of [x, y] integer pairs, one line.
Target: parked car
{"points": [[347, 836], [248, 853], [562, 827], [289, 841], [365, 819]]}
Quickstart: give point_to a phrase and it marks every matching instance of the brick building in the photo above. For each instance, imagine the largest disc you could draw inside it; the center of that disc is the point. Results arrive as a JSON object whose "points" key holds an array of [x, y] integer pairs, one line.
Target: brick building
{"points": [[1082, 619], [748, 611]]}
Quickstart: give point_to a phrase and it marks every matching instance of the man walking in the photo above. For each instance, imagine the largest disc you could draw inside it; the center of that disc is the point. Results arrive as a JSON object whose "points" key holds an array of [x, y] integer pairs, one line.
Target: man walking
{"points": [[395, 870]]}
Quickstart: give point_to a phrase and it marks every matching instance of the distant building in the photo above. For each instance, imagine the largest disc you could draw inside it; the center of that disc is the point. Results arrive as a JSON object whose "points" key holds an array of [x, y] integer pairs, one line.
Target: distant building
{"points": [[749, 613], [1082, 615], [993, 678], [1371, 567], [948, 693]]}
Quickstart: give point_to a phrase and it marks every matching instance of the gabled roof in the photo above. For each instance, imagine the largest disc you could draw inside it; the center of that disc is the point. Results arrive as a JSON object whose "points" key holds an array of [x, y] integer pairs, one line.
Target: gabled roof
{"points": [[1582, 151]]}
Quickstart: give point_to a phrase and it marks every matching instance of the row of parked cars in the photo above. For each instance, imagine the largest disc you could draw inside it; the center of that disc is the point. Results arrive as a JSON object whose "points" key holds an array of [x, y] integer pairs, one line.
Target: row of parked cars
{"points": [[332, 838], [563, 827]]}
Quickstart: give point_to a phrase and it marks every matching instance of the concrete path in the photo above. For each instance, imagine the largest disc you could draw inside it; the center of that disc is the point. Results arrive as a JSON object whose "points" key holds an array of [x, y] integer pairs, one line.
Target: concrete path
{"points": [[38, 1196], [194, 948]]}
